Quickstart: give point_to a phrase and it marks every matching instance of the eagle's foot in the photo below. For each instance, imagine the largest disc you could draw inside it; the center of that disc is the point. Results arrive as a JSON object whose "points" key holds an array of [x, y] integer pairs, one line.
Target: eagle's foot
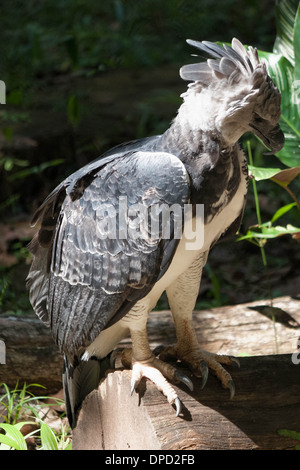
{"points": [[159, 373], [200, 361]]}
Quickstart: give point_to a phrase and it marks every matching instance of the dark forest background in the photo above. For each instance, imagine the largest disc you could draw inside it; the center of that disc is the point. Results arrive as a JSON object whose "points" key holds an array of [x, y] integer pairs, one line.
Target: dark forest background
{"points": [[82, 76]]}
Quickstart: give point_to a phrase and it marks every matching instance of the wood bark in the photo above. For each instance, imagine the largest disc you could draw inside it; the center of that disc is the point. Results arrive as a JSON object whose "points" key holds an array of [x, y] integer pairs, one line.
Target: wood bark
{"points": [[30, 354], [267, 399], [267, 385], [267, 388]]}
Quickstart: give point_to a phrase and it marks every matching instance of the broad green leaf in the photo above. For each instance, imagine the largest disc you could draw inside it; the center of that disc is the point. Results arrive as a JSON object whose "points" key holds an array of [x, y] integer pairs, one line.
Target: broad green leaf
{"points": [[282, 74], [267, 231], [288, 433], [284, 69], [283, 210], [297, 43], [35, 169], [20, 424], [48, 438], [8, 442], [285, 17], [73, 111], [263, 173], [13, 437], [282, 177]]}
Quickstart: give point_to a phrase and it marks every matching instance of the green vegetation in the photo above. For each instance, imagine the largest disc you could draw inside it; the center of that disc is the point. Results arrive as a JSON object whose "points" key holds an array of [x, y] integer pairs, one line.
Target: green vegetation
{"points": [[291, 435], [56, 48], [52, 50], [13, 439], [20, 409], [85, 36], [283, 65]]}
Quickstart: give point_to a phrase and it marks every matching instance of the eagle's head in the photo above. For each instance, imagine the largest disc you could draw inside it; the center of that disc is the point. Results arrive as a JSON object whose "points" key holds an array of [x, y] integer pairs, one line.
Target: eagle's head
{"points": [[232, 93]]}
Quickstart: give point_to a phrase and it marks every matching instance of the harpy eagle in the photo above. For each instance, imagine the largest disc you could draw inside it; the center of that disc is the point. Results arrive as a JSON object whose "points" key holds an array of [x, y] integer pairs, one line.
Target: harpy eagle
{"points": [[107, 245]]}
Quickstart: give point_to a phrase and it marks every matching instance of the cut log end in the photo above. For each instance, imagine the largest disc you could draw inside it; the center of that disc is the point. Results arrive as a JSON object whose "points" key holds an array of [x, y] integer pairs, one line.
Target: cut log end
{"points": [[267, 399]]}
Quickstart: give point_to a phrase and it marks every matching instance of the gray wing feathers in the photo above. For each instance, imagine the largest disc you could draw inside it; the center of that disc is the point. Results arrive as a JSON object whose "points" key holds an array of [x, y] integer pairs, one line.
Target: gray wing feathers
{"points": [[96, 275], [37, 280]]}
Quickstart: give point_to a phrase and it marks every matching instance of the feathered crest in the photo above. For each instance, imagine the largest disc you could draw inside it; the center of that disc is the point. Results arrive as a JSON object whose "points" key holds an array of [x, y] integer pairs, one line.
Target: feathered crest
{"points": [[233, 63]]}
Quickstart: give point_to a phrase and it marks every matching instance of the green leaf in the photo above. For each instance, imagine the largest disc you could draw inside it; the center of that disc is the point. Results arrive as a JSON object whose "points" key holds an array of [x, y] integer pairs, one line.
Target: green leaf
{"points": [[283, 210], [73, 111], [8, 442], [282, 177], [263, 173], [38, 169], [288, 433], [264, 231], [48, 438], [286, 11], [13, 437], [297, 44], [284, 69], [282, 74], [20, 424]]}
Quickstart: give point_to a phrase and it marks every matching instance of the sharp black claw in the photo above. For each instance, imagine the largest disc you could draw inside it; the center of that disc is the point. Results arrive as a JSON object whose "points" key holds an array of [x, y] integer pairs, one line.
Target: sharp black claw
{"points": [[178, 406], [184, 379], [234, 359], [204, 373], [231, 389]]}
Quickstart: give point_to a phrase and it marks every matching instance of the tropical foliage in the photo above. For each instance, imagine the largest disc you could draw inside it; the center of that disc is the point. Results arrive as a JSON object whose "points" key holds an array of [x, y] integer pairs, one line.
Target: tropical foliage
{"points": [[284, 68]]}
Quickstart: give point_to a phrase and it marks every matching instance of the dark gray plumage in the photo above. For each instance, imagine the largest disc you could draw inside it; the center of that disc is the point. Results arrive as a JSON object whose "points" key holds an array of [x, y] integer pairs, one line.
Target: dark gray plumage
{"points": [[98, 269]]}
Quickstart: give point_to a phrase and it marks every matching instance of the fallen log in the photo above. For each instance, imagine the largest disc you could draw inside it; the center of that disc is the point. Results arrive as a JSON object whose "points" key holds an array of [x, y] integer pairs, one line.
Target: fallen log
{"points": [[267, 388], [267, 399], [30, 354], [247, 329]]}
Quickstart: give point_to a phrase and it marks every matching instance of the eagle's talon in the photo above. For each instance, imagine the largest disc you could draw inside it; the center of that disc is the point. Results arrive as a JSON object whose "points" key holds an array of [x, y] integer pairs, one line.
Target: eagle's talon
{"points": [[235, 360], [184, 379], [204, 373], [154, 370], [178, 406], [200, 362], [133, 385], [231, 387]]}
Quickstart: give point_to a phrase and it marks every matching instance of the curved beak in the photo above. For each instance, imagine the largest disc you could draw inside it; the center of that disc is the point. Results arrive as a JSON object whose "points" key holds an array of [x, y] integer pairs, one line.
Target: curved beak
{"points": [[272, 137]]}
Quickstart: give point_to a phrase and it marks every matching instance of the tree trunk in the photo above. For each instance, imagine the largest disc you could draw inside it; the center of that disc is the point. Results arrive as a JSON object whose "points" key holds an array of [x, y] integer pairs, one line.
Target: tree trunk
{"points": [[31, 355]]}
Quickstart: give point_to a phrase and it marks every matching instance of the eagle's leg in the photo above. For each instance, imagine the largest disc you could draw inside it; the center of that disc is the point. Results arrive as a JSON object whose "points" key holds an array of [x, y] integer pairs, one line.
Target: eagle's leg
{"points": [[143, 363], [182, 296], [197, 359]]}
